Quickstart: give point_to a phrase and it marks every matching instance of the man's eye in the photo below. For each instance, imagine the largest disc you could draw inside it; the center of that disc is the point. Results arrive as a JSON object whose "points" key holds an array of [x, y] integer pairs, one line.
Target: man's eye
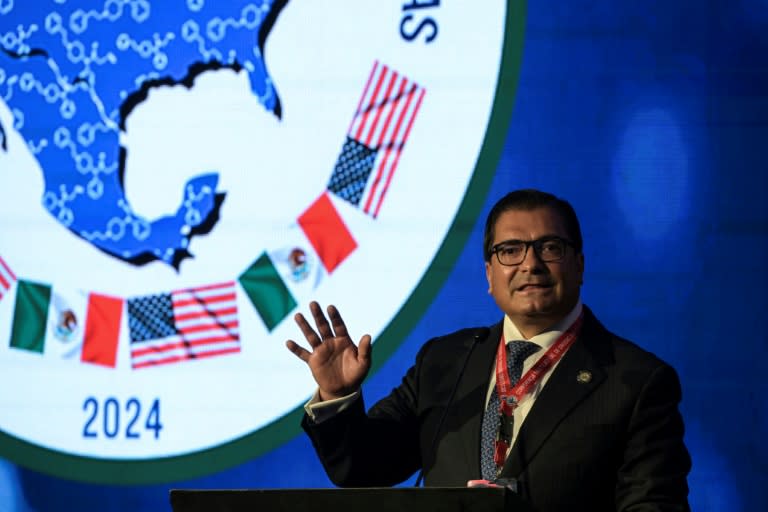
{"points": [[551, 250], [510, 250], [550, 246]]}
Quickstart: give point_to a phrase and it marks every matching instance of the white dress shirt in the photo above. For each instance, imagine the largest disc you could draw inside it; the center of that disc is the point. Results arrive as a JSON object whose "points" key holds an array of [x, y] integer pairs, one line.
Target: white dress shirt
{"points": [[545, 340]]}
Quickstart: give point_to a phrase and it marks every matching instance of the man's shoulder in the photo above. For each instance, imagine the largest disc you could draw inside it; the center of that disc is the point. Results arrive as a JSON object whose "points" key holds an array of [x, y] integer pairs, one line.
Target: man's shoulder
{"points": [[615, 349], [463, 339]]}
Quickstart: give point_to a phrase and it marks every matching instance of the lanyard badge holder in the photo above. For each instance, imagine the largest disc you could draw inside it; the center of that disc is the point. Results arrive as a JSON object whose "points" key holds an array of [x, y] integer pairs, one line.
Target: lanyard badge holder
{"points": [[510, 395], [504, 434]]}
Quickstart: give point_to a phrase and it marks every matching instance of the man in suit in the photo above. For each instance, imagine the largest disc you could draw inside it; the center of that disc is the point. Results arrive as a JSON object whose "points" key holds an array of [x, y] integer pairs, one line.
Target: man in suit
{"points": [[593, 424]]}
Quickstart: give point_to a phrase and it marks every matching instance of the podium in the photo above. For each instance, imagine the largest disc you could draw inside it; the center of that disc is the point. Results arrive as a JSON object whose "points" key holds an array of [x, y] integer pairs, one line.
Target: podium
{"points": [[372, 499]]}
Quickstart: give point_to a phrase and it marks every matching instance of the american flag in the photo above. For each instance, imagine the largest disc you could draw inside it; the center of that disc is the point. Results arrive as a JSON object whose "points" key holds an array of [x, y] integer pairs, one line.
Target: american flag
{"points": [[7, 277], [375, 138], [193, 323]]}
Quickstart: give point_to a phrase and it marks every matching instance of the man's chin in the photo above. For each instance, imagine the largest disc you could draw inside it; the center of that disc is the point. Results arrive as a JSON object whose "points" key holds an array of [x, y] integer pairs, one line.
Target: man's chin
{"points": [[538, 313], [545, 314], [537, 308]]}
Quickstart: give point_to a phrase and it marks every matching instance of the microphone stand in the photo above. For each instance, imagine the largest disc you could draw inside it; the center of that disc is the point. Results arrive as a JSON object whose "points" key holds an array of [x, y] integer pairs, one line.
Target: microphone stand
{"points": [[481, 334]]}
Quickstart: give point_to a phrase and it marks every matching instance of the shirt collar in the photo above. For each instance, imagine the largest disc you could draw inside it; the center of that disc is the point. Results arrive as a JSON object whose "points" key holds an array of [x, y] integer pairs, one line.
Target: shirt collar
{"points": [[546, 338]]}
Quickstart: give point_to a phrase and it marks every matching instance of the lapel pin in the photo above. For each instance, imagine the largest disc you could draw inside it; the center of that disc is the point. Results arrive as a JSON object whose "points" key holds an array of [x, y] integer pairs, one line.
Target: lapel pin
{"points": [[584, 377]]}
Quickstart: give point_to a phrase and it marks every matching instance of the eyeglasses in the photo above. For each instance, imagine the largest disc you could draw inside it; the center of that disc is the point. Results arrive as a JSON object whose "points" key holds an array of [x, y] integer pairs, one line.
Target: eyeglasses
{"points": [[548, 249]]}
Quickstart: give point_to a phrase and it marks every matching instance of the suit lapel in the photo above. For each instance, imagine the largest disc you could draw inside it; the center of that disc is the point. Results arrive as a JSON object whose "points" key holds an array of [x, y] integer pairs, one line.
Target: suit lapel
{"points": [[475, 388], [562, 393]]}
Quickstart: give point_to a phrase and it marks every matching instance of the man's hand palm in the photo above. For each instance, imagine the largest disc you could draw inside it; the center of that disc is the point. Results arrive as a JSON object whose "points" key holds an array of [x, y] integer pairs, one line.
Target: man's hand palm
{"points": [[336, 367]]}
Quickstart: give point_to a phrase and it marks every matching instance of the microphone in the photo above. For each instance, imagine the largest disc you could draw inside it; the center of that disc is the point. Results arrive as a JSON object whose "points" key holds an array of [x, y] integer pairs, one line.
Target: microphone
{"points": [[480, 334]]}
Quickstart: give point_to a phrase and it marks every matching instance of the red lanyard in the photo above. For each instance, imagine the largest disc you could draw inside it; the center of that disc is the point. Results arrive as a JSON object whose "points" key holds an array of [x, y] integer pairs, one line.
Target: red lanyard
{"points": [[510, 396]]}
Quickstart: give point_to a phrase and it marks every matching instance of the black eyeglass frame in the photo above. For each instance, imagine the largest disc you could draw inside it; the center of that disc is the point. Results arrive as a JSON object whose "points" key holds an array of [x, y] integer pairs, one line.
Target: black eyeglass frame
{"points": [[536, 244]]}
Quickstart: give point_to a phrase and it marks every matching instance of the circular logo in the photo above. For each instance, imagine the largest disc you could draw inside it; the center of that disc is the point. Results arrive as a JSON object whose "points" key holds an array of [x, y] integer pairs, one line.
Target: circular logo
{"points": [[178, 183]]}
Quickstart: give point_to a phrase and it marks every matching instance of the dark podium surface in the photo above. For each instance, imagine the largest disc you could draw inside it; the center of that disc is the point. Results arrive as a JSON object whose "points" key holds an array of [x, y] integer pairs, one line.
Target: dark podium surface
{"points": [[438, 499]]}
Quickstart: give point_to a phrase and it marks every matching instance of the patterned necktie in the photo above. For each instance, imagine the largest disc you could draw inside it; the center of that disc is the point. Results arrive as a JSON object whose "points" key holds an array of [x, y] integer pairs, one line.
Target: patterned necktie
{"points": [[517, 352]]}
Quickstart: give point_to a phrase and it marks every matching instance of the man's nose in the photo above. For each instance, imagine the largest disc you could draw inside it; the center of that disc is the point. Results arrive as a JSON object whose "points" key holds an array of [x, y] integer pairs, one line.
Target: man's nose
{"points": [[532, 262]]}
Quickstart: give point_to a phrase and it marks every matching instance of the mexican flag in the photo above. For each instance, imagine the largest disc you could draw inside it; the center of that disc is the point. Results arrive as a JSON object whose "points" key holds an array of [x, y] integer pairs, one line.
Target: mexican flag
{"points": [[66, 324], [278, 280]]}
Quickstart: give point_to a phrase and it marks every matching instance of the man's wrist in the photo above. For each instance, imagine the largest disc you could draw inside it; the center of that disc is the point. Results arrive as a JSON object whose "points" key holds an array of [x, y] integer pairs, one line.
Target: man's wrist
{"points": [[319, 411], [326, 396]]}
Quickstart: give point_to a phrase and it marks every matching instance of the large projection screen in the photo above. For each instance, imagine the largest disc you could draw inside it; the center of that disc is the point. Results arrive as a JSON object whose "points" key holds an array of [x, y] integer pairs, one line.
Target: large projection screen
{"points": [[179, 178], [186, 179]]}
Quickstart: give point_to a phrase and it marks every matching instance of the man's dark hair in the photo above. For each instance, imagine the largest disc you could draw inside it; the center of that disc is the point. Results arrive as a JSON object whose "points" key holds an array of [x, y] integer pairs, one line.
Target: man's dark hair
{"points": [[531, 199]]}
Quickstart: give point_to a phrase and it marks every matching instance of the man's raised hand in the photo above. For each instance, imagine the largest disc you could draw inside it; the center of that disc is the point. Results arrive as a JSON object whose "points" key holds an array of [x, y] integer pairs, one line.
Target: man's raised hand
{"points": [[337, 364]]}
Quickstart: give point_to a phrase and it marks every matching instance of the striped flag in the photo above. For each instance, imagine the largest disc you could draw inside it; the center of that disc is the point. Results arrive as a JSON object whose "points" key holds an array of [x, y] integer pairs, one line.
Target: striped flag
{"points": [[375, 139], [66, 324], [7, 278], [193, 323], [279, 279]]}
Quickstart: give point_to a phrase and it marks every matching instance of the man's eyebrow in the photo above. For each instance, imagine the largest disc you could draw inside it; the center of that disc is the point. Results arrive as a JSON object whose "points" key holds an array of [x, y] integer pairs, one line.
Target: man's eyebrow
{"points": [[543, 237], [509, 240]]}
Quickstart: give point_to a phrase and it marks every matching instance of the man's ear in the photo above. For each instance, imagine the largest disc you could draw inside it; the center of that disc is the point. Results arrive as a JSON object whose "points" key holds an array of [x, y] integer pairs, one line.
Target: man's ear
{"points": [[488, 276]]}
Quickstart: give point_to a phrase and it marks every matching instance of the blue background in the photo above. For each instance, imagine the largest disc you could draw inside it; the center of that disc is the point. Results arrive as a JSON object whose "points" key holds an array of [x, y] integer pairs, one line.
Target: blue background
{"points": [[651, 117]]}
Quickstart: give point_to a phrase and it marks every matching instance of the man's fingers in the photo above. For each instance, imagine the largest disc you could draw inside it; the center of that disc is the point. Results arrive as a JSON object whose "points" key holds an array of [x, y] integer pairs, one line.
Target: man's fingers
{"points": [[320, 321], [309, 334], [339, 327], [364, 349], [298, 350]]}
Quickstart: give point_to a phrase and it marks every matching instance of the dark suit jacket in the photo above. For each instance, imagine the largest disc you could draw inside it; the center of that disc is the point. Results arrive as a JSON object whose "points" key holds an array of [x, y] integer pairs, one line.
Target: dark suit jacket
{"points": [[613, 443]]}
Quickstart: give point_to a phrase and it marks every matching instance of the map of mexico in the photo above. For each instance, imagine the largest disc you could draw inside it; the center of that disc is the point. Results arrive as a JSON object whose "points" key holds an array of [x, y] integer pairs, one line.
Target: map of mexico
{"points": [[62, 66]]}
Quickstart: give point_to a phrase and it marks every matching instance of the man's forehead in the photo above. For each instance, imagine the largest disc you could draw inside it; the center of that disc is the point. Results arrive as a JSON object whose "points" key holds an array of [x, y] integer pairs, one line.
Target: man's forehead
{"points": [[530, 220]]}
